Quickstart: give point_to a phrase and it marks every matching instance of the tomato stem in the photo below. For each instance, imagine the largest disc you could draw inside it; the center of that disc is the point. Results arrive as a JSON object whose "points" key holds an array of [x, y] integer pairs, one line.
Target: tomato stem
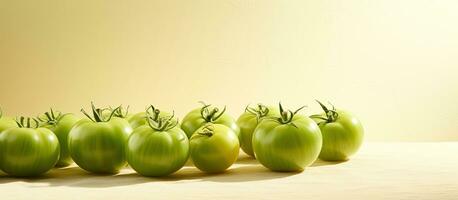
{"points": [[213, 115], [23, 122], [121, 112], [160, 123], [286, 116], [98, 113], [331, 114], [52, 118], [261, 111], [207, 130]]}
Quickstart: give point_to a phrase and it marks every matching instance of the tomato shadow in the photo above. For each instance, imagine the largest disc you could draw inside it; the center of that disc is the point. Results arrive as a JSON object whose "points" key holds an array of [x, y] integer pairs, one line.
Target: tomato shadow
{"points": [[238, 173], [76, 177], [319, 163], [246, 169]]}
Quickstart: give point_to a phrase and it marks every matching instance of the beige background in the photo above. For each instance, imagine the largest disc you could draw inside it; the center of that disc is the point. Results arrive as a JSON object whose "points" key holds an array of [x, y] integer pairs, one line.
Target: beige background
{"points": [[393, 63]]}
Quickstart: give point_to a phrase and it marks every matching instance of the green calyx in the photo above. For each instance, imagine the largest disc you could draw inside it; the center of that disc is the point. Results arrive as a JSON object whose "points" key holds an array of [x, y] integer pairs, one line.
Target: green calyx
{"points": [[207, 130], [331, 114], [210, 115], [160, 123], [260, 111], [1, 113], [51, 117], [98, 113], [152, 112], [28, 122], [121, 112], [286, 116]]}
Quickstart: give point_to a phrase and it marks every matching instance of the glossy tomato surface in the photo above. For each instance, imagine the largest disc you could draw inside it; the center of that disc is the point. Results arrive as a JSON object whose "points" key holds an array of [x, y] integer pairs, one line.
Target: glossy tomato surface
{"points": [[248, 122], [28, 151], [99, 147], [214, 148], [290, 143], [157, 153], [61, 125]]}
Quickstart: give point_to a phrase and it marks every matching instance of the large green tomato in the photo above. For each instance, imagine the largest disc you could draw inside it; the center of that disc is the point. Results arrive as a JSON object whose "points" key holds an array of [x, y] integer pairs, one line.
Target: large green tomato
{"points": [[201, 116], [290, 142], [98, 145], [248, 122], [158, 148], [139, 119], [6, 122], [27, 151], [342, 134], [60, 124], [214, 148]]}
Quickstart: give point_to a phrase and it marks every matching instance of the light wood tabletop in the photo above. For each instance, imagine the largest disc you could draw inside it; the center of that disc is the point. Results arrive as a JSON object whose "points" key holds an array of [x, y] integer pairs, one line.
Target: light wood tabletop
{"points": [[378, 171]]}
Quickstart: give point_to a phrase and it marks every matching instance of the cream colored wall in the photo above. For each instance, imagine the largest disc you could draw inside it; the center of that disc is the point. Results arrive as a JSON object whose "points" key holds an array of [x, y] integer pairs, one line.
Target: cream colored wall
{"points": [[394, 63]]}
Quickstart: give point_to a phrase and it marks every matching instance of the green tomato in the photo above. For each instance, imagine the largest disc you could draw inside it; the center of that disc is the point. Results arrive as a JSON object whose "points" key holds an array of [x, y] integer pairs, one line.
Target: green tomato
{"points": [[342, 134], [98, 145], [248, 122], [157, 149], [290, 142], [201, 116], [214, 148], [26, 151], [60, 124]]}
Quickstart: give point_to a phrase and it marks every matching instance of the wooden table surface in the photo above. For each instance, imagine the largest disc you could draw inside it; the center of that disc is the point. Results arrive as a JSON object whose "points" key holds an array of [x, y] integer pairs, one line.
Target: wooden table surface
{"points": [[378, 171]]}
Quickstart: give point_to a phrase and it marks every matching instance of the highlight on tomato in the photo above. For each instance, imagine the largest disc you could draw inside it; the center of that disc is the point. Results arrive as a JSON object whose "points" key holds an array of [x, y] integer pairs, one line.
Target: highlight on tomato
{"points": [[60, 124], [288, 142], [208, 114], [159, 147], [98, 143], [28, 150], [342, 133], [6, 122], [249, 120], [214, 148]]}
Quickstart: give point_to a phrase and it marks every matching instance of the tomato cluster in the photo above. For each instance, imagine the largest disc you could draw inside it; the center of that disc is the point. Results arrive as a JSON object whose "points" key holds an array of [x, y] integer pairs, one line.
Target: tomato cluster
{"points": [[155, 143]]}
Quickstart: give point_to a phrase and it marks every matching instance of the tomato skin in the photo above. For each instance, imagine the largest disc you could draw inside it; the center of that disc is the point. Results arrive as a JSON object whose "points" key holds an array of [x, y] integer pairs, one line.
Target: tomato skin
{"points": [[284, 147], [6, 123], [341, 138], [157, 153], [61, 130], [247, 123], [28, 152], [99, 147], [194, 120], [216, 153]]}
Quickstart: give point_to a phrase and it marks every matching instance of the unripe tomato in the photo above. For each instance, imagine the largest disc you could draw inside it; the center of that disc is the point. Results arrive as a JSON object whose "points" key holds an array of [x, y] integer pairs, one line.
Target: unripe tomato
{"points": [[28, 151], [201, 116], [248, 122], [60, 124], [342, 133], [214, 148], [290, 142], [158, 148], [98, 144], [6, 122]]}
